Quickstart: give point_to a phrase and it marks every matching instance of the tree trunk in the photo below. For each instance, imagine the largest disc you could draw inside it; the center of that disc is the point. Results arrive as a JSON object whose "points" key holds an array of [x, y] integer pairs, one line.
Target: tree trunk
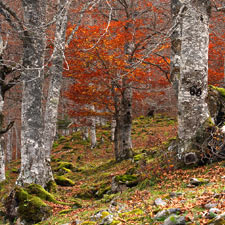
{"points": [[9, 146], [122, 142], [17, 142], [33, 163], [2, 161], [51, 112], [85, 133], [193, 81], [93, 129], [175, 43], [113, 126]]}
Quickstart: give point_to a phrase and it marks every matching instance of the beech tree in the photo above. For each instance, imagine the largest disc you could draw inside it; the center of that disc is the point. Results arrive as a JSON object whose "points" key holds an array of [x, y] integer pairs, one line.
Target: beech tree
{"points": [[109, 65], [190, 62], [5, 85], [38, 128]]}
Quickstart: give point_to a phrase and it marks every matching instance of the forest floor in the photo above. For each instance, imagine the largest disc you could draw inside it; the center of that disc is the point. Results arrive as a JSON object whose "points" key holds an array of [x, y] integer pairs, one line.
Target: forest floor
{"points": [[152, 169]]}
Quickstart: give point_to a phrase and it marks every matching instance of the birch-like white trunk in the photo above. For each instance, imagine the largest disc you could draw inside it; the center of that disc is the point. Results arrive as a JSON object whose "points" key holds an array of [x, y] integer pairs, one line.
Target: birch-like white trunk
{"points": [[2, 161], [2, 153], [33, 163], [9, 146], [176, 7], [193, 82], [93, 138], [85, 133], [17, 141], [51, 112], [113, 126]]}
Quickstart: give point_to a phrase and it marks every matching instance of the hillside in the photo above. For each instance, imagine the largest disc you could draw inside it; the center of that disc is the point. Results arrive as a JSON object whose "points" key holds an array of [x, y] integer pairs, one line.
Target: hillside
{"points": [[145, 190]]}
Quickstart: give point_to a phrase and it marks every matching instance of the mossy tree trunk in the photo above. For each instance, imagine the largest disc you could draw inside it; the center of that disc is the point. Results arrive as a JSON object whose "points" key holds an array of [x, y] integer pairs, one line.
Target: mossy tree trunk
{"points": [[193, 69]]}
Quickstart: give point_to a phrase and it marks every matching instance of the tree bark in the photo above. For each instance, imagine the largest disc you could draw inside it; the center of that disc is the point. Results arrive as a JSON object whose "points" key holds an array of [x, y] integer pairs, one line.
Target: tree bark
{"points": [[193, 81], [175, 44], [93, 129], [33, 162], [51, 112], [2, 161], [123, 116], [113, 126]]}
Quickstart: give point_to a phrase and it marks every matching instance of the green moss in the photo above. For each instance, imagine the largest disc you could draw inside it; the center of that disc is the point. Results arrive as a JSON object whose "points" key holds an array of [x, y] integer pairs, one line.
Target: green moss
{"points": [[104, 214], [31, 208], [51, 186], [55, 145], [21, 194], [108, 198], [63, 171], [61, 139], [220, 90], [88, 223], [115, 222], [63, 181], [129, 180], [65, 211], [131, 213], [67, 165], [76, 204], [15, 170], [67, 146], [138, 157], [40, 192]]}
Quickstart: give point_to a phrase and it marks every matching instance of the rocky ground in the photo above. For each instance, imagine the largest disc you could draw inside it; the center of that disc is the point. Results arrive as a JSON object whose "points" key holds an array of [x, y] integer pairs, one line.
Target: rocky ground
{"points": [[93, 189]]}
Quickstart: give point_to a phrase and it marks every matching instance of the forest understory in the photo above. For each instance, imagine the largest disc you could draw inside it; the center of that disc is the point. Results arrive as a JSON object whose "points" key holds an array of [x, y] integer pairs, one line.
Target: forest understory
{"points": [[94, 189]]}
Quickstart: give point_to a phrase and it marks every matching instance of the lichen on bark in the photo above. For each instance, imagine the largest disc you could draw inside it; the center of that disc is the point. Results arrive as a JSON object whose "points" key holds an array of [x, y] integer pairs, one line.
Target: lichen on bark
{"points": [[193, 67]]}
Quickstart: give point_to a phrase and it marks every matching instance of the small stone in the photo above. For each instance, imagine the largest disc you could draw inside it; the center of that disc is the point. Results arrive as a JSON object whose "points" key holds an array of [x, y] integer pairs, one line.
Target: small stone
{"points": [[220, 219], [175, 194], [160, 202], [166, 212], [174, 210], [210, 205], [198, 181], [175, 220], [161, 214], [215, 211], [107, 220]]}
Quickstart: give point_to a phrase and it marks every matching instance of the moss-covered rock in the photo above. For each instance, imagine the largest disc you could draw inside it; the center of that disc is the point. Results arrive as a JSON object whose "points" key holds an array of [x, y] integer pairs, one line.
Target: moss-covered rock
{"points": [[132, 212], [108, 198], [129, 180], [66, 165], [30, 209], [115, 222], [39, 191], [63, 171], [63, 181]]}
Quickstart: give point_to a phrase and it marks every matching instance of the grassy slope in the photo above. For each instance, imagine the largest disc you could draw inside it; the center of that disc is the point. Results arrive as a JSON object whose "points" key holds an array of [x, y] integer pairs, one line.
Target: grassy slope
{"points": [[94, 169]]}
